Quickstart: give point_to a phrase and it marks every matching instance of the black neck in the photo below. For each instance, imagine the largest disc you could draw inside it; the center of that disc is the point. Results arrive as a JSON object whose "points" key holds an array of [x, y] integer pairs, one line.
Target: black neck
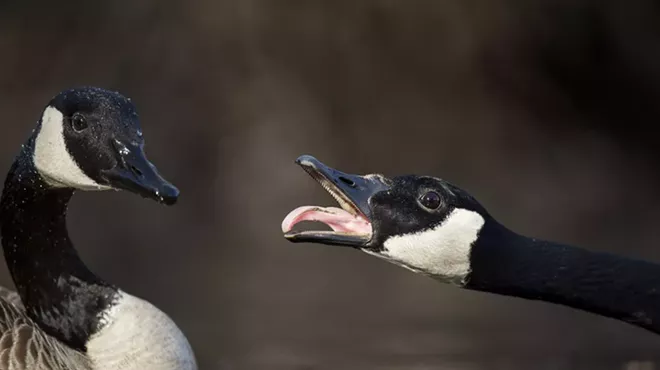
{"points": [[59, 292], [506, 263]]}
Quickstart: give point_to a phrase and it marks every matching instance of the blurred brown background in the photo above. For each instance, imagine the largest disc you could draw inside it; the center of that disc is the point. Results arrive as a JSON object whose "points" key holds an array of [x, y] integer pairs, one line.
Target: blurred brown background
{"points": [[543, 110]]}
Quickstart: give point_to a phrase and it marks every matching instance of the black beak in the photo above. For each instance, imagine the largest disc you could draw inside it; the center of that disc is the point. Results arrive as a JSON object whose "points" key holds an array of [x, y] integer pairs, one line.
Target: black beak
{"points": [[351, 191], [355, 188], [136, 174]]}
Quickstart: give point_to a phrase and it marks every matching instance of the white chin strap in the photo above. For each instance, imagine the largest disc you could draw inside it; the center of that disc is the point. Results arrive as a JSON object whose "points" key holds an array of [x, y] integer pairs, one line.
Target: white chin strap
{"points": [[443, 251], [52, 159]]}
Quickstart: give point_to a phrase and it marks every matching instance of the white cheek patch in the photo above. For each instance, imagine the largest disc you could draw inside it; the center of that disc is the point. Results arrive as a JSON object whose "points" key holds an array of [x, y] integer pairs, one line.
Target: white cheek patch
{"points": [[443, 252], [53, 160]]}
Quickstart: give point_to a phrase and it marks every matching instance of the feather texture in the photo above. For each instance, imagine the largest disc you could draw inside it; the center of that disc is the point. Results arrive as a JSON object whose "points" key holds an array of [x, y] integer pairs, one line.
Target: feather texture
{"points": [[24, 346], [12, 297]]}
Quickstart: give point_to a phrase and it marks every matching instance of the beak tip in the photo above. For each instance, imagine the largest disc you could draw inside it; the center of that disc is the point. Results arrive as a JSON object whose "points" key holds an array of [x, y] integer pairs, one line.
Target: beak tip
{"points": [[169, 195], [307, 160]]}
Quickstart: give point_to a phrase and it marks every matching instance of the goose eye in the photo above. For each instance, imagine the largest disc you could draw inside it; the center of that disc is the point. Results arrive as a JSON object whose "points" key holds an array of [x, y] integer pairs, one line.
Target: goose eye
{"points": [[430, 200], [78, 122]]}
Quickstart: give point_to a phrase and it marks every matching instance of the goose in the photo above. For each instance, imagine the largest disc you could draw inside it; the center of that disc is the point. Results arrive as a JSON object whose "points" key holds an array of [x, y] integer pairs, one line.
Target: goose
{"points": [[432, 227], [62, 315]]}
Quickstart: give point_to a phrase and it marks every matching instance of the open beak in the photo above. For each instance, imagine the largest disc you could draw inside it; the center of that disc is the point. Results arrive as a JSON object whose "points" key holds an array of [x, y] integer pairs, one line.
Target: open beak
{"points": [[351, 224], [136, 174]]}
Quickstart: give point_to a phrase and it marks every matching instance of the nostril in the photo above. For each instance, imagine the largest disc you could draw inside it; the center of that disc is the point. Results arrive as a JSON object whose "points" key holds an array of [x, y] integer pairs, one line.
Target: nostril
{"points": [[136, 171], [347, 181]]}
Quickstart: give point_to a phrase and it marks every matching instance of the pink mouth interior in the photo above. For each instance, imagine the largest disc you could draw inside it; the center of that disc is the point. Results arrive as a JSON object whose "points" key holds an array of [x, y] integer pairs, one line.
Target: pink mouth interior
{"points": [[338, 219]]}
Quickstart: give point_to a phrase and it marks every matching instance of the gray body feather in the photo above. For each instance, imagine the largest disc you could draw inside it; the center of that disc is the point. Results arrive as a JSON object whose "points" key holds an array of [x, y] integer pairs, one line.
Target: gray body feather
{"points": [[12, 297], [24, 346]]}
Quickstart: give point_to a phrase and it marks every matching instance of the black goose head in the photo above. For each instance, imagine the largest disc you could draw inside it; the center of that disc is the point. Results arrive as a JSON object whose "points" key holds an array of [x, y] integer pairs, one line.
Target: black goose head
{"points": [[421, 222], [90, 139]]}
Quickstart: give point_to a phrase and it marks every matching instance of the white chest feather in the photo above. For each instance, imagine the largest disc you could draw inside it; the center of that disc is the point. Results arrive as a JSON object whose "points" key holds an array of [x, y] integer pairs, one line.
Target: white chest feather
{"points": [[53, 160], [443, 251], [137, 335]]}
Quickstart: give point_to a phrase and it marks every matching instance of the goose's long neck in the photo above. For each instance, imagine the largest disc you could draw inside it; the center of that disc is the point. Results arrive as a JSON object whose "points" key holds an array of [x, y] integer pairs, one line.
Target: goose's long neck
{"points": [[58, 290], [506, 263]]}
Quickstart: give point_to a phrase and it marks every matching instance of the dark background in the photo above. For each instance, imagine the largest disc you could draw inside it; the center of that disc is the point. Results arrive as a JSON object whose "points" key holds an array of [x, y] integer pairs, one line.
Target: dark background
{"points": [[543, 110]]}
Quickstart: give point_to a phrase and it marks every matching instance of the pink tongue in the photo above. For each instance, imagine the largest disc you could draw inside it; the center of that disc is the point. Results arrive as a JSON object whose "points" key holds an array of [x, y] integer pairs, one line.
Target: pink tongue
{"points": [[338, 219]]}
